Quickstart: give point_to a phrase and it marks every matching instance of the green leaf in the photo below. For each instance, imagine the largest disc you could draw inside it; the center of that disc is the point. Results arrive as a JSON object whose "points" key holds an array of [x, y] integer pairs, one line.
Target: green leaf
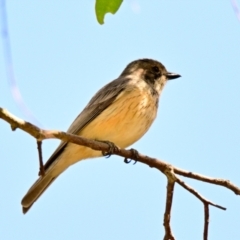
{"points": [[103, 7]]}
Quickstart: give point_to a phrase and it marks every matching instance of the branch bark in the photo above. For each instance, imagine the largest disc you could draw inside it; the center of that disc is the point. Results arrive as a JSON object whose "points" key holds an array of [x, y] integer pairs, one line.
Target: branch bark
{"points": [[169, 170]]}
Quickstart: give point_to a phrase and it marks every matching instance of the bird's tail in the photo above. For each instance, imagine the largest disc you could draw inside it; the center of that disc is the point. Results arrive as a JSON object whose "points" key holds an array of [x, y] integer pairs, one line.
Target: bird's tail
{"points": [[38, 189]]}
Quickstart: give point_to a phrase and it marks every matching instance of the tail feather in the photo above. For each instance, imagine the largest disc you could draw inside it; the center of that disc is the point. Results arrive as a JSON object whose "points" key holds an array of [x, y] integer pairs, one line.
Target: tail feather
{"points": [[36, 191], [24, 208]]}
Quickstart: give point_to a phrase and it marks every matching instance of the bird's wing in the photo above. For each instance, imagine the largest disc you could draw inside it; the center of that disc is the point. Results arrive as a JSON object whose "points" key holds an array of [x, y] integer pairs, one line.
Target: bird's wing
{"points": [[100, 101]]}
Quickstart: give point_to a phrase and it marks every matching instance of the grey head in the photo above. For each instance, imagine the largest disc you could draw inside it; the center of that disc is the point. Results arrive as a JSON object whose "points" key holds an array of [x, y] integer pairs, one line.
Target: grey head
{"points": [[153, 72]]}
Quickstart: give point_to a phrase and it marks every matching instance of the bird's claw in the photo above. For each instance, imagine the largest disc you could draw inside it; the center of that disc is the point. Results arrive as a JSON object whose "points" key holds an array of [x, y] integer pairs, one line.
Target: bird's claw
{"points": [[111, 149], [127, 161], [135, 154]]}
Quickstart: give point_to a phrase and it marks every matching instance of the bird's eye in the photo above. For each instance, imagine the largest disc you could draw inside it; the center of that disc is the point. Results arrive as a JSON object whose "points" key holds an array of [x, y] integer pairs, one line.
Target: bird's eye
{"points": [[155, 69]]}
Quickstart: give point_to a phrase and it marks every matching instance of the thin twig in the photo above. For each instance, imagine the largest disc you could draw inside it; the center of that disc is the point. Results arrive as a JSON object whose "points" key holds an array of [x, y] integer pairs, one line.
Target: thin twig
{"points": [[206, 221], [171, 177], [206, 204], [196, 194], [167, 214], [216, 181], [41, 167]]}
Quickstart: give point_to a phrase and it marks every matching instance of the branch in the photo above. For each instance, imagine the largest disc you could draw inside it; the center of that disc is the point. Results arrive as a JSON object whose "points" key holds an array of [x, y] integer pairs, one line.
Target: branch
{"points": [[39, 147], [169, 170], [206, 204], [41, 134], [216, 181], [169, 199]]}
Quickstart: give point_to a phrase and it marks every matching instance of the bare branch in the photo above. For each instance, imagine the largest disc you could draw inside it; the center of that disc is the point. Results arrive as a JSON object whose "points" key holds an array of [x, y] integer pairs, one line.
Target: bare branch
{"points": [[205, 202], [216, 181], [41, 134], [39, 147], [169, 170], [196, 194], [206, 221], [169, 199]]}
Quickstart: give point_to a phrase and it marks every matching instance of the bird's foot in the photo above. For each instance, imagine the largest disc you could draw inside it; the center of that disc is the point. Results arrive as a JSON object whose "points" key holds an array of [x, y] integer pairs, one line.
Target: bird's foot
{"points": [[135, 154], [111, 149]]}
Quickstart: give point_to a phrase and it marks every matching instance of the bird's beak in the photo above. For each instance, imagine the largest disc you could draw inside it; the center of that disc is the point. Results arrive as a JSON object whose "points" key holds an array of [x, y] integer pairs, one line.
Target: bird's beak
{"points": [[171, 76]]}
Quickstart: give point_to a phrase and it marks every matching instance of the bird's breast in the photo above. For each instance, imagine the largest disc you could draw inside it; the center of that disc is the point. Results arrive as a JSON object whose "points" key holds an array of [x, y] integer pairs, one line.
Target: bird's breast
{"points": [[126, 120]]}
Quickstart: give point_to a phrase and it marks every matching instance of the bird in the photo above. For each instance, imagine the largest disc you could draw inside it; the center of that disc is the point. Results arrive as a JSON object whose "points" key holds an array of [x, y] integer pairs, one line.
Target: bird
{"points": [[121, 112]]}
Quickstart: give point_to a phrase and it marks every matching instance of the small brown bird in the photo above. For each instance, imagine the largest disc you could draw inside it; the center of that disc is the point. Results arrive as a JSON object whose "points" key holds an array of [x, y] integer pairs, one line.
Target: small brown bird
{"points": [[121, 112]]}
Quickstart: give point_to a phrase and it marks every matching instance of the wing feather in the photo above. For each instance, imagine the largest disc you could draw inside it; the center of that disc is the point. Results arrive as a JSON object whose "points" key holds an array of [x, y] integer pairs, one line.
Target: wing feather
{"points": [[100, 101]]}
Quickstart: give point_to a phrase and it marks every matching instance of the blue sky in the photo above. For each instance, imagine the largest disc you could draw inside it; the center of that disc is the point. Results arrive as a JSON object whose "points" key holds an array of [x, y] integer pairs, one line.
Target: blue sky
{"points": [[62, 56]]}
